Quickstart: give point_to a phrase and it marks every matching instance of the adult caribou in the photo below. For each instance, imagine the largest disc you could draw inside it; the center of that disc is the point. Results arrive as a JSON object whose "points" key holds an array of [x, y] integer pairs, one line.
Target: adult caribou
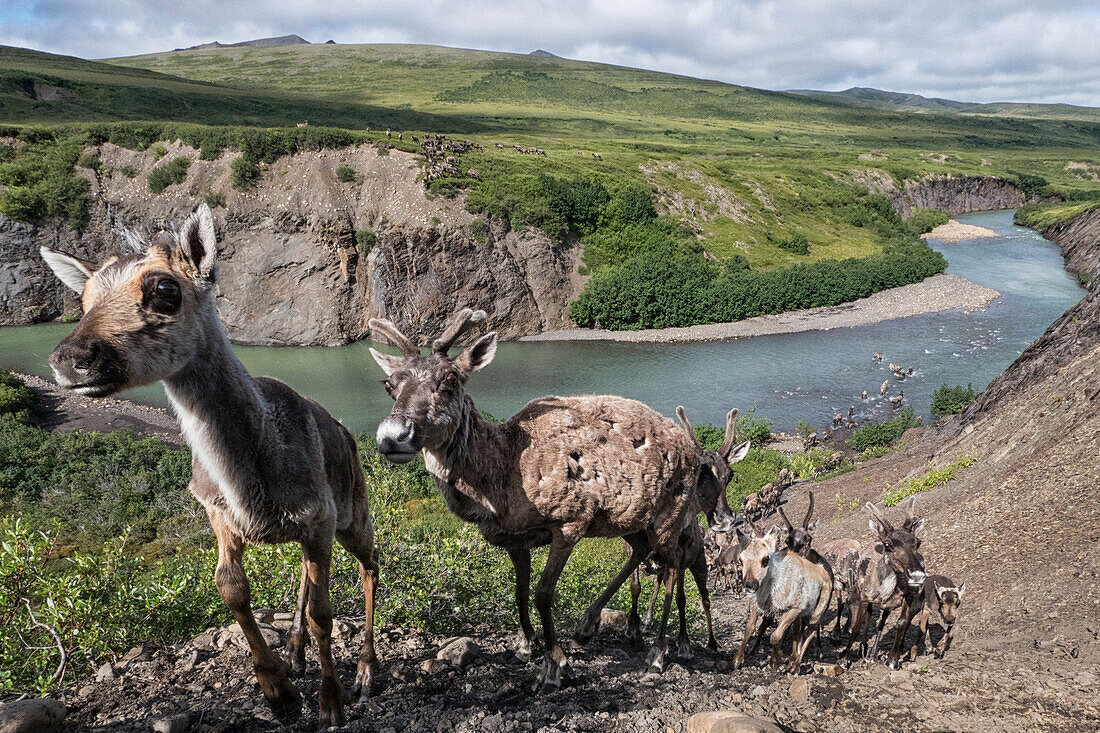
{"points": [[269, 465], [559, 470]]}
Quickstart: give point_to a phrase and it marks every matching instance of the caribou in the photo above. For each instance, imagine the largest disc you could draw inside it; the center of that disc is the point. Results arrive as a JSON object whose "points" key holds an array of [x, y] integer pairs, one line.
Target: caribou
{"points": [[268, 465], [559, 470]]}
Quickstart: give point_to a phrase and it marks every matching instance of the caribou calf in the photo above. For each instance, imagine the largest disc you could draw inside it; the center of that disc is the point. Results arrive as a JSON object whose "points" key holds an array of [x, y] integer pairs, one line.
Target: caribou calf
{"points": [[792, 584], [940, 595]]}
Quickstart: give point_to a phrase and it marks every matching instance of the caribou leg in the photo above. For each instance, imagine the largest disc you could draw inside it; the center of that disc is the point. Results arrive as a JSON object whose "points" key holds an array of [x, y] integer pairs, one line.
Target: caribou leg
{"points": [[298, 637], [699, 571], [633, 621], [549, 678], [750, 628], [271, 670], [521, 561], [648, 620], [317, 552], [655, 660], [590, 623], [776, 637], [683, 643], [360, 543]]}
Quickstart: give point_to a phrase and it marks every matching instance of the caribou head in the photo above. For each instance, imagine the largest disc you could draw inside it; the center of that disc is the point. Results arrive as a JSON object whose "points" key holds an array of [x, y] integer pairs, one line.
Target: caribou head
{"points": [[716, 473], [427, 390], [800, 538], [900, 545]]}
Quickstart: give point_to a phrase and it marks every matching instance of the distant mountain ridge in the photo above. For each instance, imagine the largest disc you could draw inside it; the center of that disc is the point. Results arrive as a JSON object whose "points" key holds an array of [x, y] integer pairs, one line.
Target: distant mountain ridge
{"points": [[908, 102], [290, 40]]}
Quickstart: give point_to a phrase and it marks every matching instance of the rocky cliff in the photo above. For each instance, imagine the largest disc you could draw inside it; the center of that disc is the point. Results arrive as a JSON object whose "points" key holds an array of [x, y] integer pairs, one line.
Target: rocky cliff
{"points": [[307, 259], [953, 194]]}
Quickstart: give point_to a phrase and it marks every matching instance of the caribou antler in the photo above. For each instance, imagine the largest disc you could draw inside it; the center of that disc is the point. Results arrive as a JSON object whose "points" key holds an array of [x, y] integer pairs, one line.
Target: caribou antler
{"points": [[682, 414], [784, 515], [463, 319], [394, 335], [877, 514], [809, 513], [731, 434]]}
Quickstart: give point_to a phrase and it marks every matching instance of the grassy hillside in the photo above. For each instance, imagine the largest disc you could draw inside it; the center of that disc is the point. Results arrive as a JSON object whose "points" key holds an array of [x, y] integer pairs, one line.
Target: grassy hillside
{"points": [[740, 176], [905, 102]]}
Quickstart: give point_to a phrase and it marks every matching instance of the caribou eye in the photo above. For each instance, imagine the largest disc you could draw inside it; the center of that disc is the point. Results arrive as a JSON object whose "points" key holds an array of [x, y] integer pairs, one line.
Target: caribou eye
{"points": [[168, 289], [764, 563], [450, 381]]}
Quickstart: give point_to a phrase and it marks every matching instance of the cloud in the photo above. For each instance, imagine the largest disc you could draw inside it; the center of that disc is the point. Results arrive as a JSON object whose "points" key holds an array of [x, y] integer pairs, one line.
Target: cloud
{"points": [[990, 50]]}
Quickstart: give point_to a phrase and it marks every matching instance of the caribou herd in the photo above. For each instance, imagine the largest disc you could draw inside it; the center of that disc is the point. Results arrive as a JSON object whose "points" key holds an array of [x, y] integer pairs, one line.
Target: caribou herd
{"points": [[271, 467]]}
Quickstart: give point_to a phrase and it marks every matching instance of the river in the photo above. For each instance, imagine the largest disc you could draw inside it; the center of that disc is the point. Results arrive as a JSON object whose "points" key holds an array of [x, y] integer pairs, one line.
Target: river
{"points": [[804, 376]]}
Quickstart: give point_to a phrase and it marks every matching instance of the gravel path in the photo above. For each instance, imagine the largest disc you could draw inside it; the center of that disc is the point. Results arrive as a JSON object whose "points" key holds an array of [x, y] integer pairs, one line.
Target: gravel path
{"points": [[937, 293]]}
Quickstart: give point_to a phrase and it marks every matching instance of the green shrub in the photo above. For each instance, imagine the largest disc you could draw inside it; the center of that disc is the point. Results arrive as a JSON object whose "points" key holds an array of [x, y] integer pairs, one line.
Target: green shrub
{"points": [[930, 479], [90, 161], [877, 434], [345, 174], [798, 243], [761, 466], [158, 151], [952, 400], [384, 148], [128, 170], [41, 184], [213, 199], [365, 239], [925, 220], [756, 428], [245, 172], [168, 174], [15, 398]]}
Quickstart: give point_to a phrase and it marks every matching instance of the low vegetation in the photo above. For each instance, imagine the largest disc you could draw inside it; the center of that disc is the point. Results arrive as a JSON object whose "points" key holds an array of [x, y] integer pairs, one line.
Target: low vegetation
{"points": [[345, 174], [168, 174], [952, 400], [876, 434], [930, 479]]}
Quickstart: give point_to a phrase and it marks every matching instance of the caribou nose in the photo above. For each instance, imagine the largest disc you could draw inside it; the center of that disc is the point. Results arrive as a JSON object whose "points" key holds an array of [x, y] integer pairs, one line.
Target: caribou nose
{"points": [[395, 440], [751, 584], [75, 359]]}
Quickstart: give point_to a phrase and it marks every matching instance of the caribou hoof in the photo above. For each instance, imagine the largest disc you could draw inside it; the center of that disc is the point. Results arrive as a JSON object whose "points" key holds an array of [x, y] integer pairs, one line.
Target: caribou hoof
{"points": [[524, 647], [683, 650], [549, 679], [287, 703], [655, 660], [364, 681], [712, 644], [587, 628]]}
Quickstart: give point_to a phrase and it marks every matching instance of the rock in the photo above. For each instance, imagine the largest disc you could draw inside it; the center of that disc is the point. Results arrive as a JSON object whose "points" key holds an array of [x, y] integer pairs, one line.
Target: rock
{"points": [[171, 724], [105, 673], [140, 653], [612, 618], [286, 616], [800, 690], [729, 721], [263, 615], [38, 715], [828, 670], [343, 630], [271, 635], [431, 666], [758, 691], [458, 652], [204, 641]]}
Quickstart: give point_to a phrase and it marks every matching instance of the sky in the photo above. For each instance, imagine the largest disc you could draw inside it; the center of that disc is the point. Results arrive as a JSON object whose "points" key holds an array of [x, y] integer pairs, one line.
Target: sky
{"points": [[968, 50]]}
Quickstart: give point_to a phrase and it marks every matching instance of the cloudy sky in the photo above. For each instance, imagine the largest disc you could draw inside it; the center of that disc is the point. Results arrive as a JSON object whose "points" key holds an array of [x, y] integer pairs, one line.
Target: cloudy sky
{"points": [[971, 50]]}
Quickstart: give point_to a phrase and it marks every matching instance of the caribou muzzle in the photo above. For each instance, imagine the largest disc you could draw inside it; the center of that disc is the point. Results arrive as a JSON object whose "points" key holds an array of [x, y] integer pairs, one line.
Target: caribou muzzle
{"points": [[398, 441], [88, 365]]}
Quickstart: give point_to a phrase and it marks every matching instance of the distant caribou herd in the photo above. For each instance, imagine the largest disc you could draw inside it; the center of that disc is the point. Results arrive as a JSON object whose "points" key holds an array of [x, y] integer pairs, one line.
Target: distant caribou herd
{"points": [[271, 467]]}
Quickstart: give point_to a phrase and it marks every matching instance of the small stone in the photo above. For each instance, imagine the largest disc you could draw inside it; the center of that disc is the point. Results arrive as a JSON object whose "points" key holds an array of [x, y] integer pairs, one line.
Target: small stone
{"points": [[205, 640], [729, 721], [37, 715], [432, 666], [613, 618], [829, 670], [804, 726], [282, 616], [263, 615], [343, 630], [140, 653], [758, 691], [171, 724], [270, 634], [106, 673], [458, 652], [800, 690]]}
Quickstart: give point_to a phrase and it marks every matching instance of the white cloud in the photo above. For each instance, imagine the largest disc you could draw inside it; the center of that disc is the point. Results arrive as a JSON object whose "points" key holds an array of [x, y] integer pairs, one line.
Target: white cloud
{"points": [[993, 50]]}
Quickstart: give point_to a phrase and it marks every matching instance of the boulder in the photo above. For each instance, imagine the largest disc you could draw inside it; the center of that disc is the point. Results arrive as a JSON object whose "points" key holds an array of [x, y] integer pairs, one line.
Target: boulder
{"points": [[39, 715], [612, 618], [171, 724], [458, 652], [729, 721], [105, 673], [271, 635], [800, 690]]}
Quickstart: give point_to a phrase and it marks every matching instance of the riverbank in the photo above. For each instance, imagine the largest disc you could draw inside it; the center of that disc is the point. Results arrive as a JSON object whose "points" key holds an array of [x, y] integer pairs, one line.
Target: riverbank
{"points": [[956, 231], [935, 294], [62, 411]]}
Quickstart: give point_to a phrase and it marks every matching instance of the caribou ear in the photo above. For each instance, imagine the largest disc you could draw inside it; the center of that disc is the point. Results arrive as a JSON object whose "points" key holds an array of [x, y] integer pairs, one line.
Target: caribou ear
{"points": [[917, 526], [197, 245], [962, 590], [738, 454], [389, 364], [812, 525], [477, 355], [69, 270], [743, 539]]}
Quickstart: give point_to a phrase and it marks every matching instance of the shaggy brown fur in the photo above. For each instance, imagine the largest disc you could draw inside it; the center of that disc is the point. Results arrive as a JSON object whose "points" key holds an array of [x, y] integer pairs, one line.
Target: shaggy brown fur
{"points": [[268, 465], [559, 470]]}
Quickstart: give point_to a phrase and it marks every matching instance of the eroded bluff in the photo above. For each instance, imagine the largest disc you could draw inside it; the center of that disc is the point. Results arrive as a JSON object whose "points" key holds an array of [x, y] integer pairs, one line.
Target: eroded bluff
{"points": [[306, 259]]}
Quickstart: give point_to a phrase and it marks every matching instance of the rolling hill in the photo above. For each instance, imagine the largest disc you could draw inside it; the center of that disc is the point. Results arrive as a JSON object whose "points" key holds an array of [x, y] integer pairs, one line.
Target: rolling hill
{"points": [[907, 102]]}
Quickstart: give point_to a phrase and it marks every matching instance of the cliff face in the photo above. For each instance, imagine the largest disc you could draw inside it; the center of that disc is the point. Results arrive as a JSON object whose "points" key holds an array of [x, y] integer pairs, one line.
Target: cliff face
{"points": [[292, 270], [953, 194]]}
